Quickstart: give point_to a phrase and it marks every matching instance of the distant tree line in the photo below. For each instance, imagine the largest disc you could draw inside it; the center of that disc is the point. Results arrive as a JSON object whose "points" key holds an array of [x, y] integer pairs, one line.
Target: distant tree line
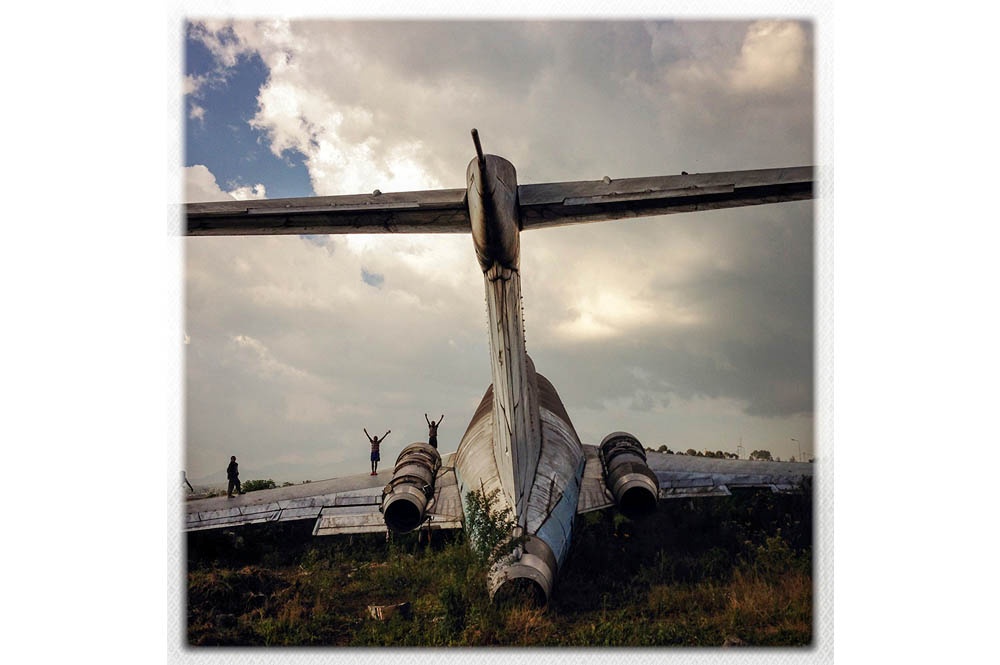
{"points": [[718, 454]]}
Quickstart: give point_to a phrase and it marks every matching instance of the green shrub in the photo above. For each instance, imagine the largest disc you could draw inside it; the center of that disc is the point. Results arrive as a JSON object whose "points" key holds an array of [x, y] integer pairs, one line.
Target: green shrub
{"points": [[254, 485], [490, 530]]}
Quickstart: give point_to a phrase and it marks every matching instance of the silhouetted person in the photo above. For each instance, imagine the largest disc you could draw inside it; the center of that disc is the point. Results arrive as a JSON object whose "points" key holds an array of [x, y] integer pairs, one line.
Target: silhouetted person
{"points": [[184, 477], [432, 430], [376, 442], [233, 471]]}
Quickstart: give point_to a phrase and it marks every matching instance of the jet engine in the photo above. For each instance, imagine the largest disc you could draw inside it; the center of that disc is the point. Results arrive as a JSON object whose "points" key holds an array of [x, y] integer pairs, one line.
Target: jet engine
{"points": [[526, 575], [633, 485], [405, 498]]}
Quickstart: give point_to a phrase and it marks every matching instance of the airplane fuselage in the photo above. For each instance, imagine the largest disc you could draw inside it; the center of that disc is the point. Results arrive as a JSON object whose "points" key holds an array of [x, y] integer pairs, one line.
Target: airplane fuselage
{"points": [[520, 440]]}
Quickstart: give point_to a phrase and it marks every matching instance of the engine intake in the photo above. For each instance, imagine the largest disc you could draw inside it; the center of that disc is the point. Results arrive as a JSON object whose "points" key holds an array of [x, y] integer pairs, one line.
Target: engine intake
{"points": [[405, 498], [633, 485]]}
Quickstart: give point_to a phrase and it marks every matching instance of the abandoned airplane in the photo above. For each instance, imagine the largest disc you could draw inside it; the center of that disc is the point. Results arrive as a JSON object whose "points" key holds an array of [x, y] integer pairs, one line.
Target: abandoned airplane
{"points": [[520, 444]]}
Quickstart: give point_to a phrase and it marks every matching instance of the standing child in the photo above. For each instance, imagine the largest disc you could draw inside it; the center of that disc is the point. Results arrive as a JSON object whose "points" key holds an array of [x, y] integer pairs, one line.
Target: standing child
{"points": [[376, 442], [432, 430]]}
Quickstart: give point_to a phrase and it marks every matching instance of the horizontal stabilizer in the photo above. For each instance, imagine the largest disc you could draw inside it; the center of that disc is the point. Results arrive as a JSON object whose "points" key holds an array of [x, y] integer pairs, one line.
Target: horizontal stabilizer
{"points": [[540, 206]]}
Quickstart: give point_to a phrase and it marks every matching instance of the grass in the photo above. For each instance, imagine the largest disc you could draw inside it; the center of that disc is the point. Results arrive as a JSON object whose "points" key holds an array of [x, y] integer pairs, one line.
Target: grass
{"points": [[725, 570]]}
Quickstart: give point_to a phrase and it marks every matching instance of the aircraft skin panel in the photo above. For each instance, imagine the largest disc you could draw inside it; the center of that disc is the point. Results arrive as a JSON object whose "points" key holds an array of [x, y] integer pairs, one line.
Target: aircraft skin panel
{"points": [[432, 211], [560, 203], [278, 511], [560, 465], [554, 496], [341, 505], [475, 464], [444, 511], [516, 430], [687, 475], [304, 501], [446, 506], [594, 494]]}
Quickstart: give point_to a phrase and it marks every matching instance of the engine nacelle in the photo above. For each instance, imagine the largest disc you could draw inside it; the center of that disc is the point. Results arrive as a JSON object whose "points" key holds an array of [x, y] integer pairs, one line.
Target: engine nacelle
{"points": [[405, 498], [633, 485], [525, 576]]}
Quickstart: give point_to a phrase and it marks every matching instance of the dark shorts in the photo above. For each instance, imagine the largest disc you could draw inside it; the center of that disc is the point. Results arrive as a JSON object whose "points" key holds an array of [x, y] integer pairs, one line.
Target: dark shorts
{"points": [[375, 457], [433, 440]]}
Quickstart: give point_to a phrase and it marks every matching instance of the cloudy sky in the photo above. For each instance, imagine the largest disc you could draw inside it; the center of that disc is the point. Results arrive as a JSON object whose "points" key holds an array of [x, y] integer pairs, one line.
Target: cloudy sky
{"points": [[694, 331]]}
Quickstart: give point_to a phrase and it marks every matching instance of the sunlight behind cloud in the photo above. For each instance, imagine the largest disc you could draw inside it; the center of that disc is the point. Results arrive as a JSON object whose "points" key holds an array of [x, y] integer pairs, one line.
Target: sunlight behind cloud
{"points": [[604, 314], [772, 56]]}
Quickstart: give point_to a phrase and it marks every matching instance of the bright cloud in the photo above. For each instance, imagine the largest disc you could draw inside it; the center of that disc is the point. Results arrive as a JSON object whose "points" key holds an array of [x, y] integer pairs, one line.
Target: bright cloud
{"points": [[200, 186], [772, 56], [249, 192]]}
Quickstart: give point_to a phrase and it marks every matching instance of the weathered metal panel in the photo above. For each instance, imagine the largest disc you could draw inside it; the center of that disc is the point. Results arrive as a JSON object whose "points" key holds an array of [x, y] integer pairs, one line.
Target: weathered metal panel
{"points": [[516, 426], [684, 475], [560, 203], [446, 506], [330, 525], [474, 462], [555, 493], [694, 492], [433, 211], [304, 501], [594, 494], [540, 205]]}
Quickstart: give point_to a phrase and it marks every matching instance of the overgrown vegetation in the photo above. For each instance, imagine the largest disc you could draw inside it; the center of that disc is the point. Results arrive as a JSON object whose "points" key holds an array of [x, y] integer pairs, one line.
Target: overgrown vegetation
{"points": [[710, 572], [489, 530], [254, 485]]}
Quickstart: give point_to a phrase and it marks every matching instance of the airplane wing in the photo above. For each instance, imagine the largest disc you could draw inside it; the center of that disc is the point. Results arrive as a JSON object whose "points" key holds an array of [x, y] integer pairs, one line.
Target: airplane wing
{"points": [[339, 506], [541, 205], [681, 476]]}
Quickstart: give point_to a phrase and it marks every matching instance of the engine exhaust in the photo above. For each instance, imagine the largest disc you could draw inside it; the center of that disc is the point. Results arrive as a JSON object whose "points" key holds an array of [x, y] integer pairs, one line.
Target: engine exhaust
{"points": [[633, 485], [525, 576], [405, 498]]}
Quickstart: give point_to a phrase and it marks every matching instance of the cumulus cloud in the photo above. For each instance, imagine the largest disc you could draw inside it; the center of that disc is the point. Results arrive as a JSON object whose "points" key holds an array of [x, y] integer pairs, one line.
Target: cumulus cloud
{"points": [[773, 55], [200, 186], [249, 192]]}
